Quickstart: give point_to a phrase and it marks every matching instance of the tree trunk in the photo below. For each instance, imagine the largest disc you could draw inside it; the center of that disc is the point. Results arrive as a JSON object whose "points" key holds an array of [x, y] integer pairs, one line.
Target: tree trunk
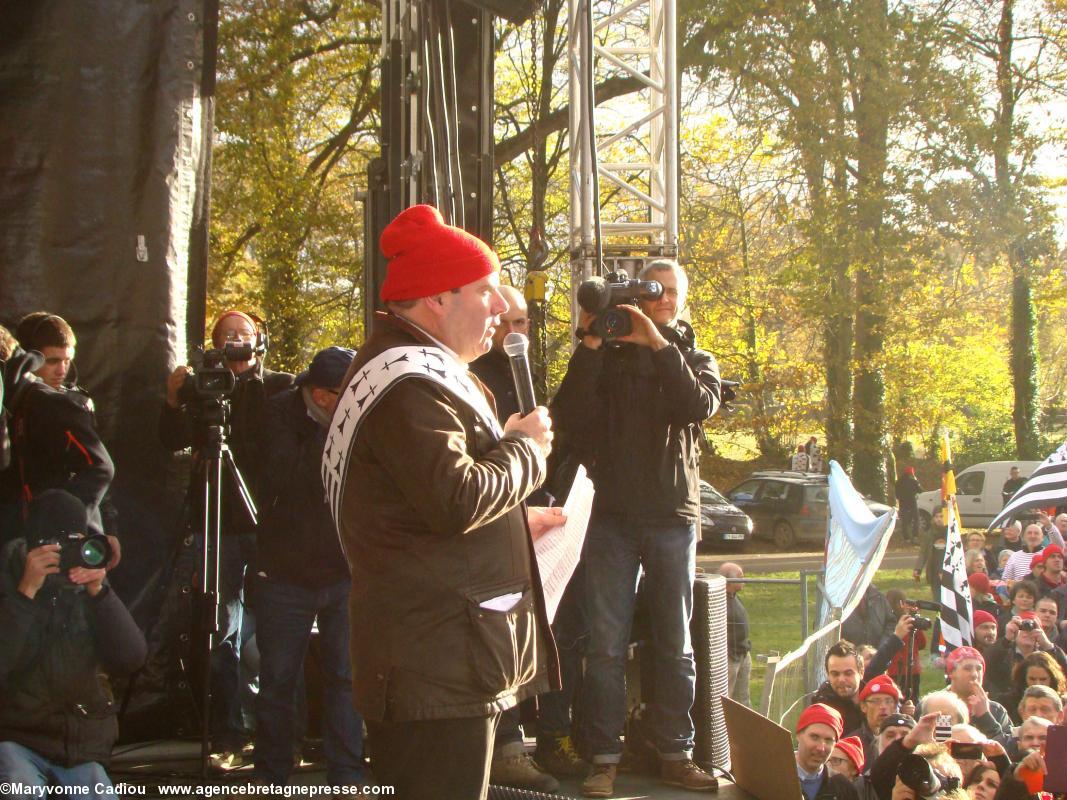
{"points": [[1012, 222], [872, 128]]}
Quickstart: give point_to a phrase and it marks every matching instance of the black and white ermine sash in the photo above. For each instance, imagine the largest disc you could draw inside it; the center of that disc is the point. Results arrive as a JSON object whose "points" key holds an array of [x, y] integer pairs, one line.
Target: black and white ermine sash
{"points": [[370, 384]]}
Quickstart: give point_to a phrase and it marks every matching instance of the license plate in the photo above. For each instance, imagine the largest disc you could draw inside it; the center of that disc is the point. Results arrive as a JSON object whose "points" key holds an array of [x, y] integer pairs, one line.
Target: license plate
{"points": [[734, 536]]}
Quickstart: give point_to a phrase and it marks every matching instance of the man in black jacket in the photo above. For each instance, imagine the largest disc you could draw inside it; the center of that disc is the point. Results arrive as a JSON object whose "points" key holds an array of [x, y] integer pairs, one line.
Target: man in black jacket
{"points": [[54, 445], [846, 675], [907, 489], [241, 337], [634, 408], [494, 368], [303, 575], [61, 631]]}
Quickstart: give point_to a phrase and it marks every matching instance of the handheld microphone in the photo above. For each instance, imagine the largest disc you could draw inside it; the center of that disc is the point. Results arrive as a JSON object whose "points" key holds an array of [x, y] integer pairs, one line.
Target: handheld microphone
{"points": [[515, 346]]}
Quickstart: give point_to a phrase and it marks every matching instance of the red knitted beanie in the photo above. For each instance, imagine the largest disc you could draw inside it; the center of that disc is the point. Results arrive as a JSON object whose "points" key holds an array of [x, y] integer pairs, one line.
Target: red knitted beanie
{"points": [[852, 747], [427, 257], [819, 712]]}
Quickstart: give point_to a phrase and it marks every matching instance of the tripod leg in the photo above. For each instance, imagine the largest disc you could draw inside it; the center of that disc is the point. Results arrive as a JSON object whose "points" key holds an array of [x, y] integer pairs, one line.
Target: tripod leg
{"points": [[209, 594], [242, 487]]}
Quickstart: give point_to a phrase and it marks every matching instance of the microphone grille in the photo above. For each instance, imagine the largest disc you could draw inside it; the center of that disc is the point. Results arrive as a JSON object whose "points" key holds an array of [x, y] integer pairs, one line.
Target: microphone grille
{"points": [[515, 344]]}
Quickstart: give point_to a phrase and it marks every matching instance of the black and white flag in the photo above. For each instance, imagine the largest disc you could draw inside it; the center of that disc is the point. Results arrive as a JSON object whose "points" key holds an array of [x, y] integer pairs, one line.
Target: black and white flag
{"points": [[956, 609], [1047, 486]]}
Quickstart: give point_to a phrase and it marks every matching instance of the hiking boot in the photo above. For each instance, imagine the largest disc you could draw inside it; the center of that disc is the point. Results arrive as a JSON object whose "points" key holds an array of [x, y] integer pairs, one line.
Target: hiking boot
{"points": [[561, 759], [687, 775], [600, 782], [520, 772]]}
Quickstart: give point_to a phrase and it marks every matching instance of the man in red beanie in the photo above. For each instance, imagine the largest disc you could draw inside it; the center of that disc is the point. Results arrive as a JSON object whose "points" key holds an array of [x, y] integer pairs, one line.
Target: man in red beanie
{"points": [[818, 730], [907, 488], [1052, 577], [879, 698], [448, 627], [965, 668]]}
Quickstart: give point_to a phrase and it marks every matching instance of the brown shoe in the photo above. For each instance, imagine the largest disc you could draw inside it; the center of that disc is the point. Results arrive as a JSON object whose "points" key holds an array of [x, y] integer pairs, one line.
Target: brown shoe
{"points": [[600, 782], [687, 775], [520, 772]]}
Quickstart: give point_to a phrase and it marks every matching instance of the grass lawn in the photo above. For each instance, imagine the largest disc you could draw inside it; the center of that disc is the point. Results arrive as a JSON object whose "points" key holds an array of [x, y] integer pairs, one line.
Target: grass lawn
{"points": [[774, 620]]}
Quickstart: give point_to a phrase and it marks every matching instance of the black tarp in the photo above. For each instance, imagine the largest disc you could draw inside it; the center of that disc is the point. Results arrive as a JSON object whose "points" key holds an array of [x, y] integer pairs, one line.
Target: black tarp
{"points": [[105, 126]]}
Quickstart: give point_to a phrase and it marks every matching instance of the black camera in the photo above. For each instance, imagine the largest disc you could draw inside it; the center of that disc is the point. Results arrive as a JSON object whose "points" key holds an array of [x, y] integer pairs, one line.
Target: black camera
{"points": [[1028, 624], [921, 623], [917, 774], [213, 379], [92, 551], [600, 296]]}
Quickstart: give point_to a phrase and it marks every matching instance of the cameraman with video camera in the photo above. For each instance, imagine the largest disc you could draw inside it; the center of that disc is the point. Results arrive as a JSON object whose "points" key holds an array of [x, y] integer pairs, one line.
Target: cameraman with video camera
{"points": [[239, 342], [633, 405], [63, 627]]}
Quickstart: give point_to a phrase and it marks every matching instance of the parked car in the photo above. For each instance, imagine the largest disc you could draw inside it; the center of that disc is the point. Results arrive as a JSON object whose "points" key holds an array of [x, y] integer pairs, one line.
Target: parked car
{"points": [[788, 507], [977, 492], [721, 522]]}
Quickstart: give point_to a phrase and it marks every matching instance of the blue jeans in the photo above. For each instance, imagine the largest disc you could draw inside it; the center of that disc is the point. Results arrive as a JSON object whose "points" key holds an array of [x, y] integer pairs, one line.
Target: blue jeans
{"points": [[615, 551], [20, 765], [284, 616]]}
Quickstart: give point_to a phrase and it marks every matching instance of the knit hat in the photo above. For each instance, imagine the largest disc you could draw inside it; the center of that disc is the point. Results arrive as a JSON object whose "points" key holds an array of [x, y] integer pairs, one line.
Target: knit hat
{"points": [[980, 581], [959, 654], [821, 713], [327, 368], [1027, 615], [881, 684], [897, 721], [1052, 550], [852, 747], [909, 470], [1038, 559], [227, 315], [54, 512], [982, 617], [427, 257]]}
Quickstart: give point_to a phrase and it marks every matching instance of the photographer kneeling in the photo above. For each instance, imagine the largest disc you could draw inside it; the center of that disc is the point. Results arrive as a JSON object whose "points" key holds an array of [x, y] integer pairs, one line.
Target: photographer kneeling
{"points": [[62, 627]]}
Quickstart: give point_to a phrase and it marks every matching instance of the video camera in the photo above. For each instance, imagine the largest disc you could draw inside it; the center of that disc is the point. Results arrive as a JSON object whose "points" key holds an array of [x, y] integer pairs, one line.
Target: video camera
{"points": [[213, 380], [600, 296], [921, 623]]}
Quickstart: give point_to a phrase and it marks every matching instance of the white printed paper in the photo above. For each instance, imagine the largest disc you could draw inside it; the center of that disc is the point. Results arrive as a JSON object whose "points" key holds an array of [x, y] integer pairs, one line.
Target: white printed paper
{"points": [[558, 550]]}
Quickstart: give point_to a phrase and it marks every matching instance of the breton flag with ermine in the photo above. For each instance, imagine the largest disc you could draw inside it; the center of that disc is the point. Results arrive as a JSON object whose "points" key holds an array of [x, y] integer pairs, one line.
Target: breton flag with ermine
{"points": [[1047, 486], [956, 609]]}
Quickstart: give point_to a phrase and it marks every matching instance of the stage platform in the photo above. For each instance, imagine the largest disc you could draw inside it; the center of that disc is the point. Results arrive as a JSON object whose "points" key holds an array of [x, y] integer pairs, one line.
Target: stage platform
{"points": [[175, 763]]}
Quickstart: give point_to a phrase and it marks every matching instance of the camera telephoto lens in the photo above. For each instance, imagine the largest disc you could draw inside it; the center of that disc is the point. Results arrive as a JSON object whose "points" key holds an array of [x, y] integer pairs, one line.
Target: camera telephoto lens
{"points": [[94, 551]]}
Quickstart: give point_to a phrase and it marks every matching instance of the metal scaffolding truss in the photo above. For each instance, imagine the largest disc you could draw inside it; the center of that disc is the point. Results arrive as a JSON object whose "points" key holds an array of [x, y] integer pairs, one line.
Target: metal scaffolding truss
{"points": [[636, 144]]}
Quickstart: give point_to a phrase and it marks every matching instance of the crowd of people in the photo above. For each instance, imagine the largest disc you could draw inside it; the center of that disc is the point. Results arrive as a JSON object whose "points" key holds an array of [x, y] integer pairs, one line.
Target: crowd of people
{"points": [[868, 722]]}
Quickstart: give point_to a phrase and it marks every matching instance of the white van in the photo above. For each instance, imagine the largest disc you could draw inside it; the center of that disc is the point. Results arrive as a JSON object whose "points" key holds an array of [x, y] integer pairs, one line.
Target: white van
{"points": [[977, 492]]}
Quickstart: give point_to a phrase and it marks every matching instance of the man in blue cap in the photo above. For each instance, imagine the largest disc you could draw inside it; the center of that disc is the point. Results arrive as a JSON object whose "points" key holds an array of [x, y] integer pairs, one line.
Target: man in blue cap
{"points": [[302, 575]]}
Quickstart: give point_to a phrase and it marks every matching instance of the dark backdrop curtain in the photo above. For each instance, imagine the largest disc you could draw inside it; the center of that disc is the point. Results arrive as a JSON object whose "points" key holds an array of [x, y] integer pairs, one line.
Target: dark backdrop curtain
{"points": [[105, 134]]}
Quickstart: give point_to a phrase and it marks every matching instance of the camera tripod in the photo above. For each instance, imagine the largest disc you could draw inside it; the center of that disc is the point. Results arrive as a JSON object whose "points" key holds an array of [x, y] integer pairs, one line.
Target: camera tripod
{"points": [[217, 460]]}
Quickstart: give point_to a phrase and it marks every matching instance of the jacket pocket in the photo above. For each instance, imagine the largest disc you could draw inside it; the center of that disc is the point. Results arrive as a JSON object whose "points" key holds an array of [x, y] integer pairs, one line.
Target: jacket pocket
{"points": [[503, 645]]}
